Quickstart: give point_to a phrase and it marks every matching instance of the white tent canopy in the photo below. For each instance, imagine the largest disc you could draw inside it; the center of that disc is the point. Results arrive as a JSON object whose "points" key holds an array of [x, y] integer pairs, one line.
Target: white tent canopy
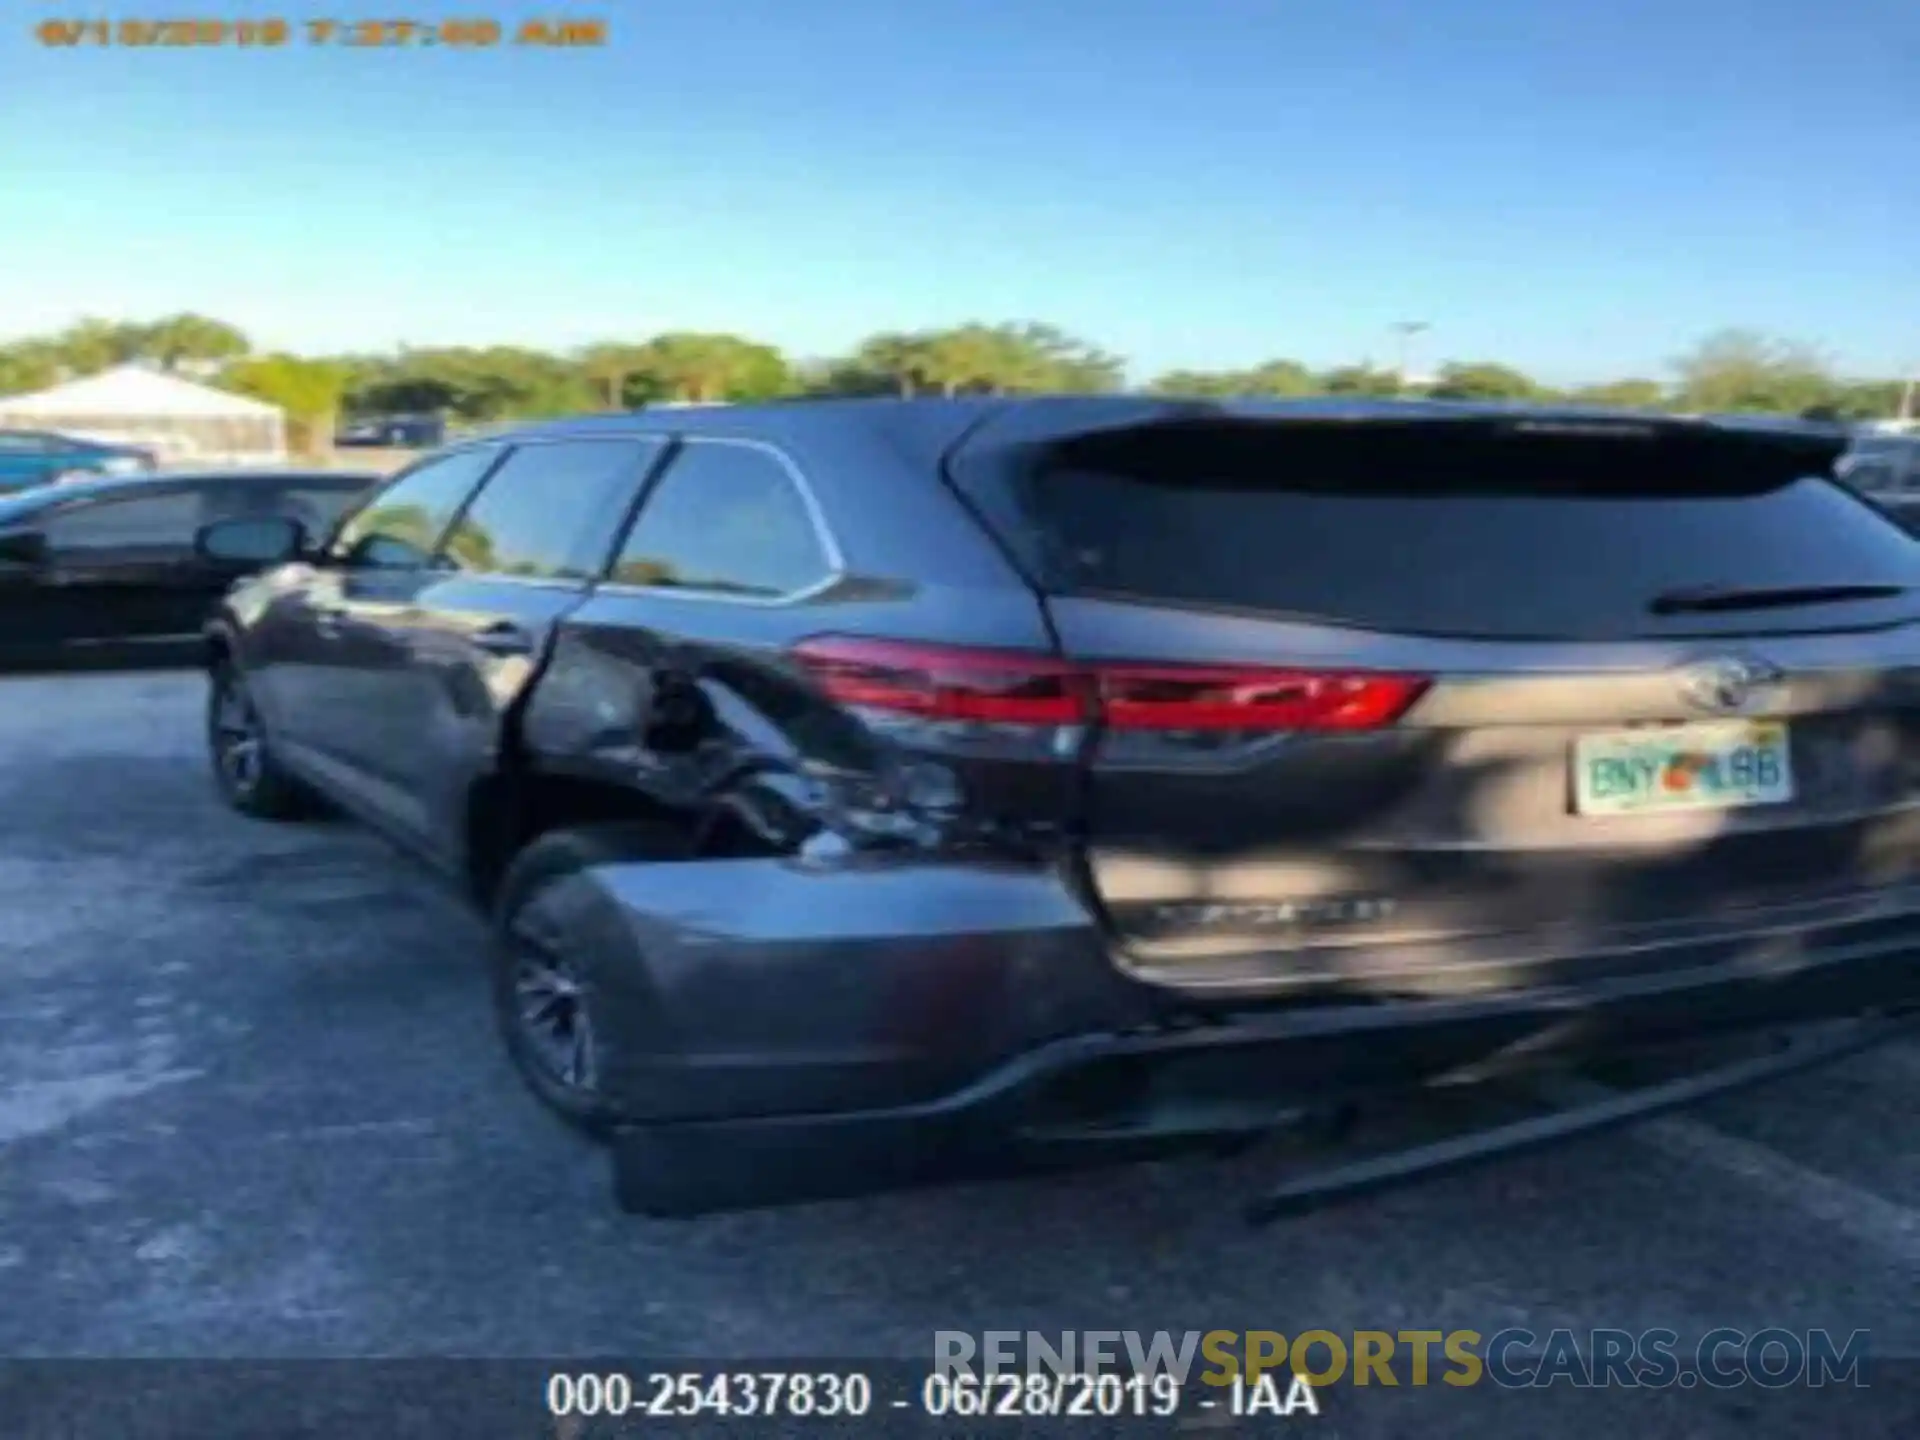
{"points": [[181, 419]]}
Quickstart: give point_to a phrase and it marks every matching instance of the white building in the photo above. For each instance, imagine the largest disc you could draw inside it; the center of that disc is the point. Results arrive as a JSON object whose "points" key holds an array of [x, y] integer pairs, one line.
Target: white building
{"points": [[183, 422]]}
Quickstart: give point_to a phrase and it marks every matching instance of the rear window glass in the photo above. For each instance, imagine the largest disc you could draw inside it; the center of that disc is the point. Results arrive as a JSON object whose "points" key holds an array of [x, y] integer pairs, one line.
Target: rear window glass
{"points": [[1542, 537]]}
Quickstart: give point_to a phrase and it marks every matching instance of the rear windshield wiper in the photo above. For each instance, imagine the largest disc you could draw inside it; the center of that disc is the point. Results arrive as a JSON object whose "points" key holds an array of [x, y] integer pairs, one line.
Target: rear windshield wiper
{"points": [[1727, 597]]}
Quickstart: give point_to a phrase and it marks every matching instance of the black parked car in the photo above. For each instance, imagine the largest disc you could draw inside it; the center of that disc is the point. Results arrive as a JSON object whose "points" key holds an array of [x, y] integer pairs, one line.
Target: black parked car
{"points": [[93, 569], [872, 792]]}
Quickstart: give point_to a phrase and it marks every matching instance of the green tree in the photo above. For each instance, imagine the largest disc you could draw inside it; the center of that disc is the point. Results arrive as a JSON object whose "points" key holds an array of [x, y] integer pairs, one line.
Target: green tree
{"points": [[1742, 370], [1032, 357], [760, 372], [841, 377], [360, 371], [308, 390], [1272, 379], [975, 358], [188, 337], [406, 392], [893, 361], [1631, 394], [1201, 384], [609, 366], [27, 365], [1482, 380], [514, 382], [91, 345], [1362, 380], [1868, 399], [1733, 370], [1280, 379], [705, 368], [500, 382], [1015, 358]]}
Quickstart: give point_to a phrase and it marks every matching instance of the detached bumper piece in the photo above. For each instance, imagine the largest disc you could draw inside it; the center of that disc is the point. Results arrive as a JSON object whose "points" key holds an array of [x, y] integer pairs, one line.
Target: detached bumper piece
{"points": [[1587, 1109]]}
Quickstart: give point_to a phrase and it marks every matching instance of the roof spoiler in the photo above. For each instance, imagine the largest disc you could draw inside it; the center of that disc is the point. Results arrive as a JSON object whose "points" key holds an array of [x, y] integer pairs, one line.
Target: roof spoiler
{"points": [[1063, 429]]}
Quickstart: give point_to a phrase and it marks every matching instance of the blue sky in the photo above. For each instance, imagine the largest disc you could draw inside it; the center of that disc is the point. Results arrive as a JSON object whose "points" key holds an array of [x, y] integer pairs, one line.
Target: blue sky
{"points": [[1583, 187]]}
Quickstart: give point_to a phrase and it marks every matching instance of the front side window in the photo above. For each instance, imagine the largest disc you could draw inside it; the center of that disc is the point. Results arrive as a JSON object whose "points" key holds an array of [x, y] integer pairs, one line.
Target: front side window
{"points": [[725, 519], [400, 526], [550, 511], [318, 507]]}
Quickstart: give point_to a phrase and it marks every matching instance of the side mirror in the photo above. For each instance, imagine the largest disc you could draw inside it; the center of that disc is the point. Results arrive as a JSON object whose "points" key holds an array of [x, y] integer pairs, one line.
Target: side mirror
{"points": [[23, 547], [266, 540]]}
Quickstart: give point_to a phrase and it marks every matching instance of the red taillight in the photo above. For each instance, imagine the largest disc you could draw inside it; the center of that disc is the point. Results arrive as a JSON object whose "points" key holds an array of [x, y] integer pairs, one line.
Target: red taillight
{"points": [[940, 682], [1139, 697], [1017, 687]]}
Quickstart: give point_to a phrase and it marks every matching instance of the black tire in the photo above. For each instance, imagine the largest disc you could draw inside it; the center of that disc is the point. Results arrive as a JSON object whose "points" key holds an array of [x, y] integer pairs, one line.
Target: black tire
{"points": [[249, 779], [542, 982]]}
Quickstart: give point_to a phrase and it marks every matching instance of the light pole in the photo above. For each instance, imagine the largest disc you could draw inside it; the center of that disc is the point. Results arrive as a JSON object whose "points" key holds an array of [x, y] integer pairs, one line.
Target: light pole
{"points": [[1404, 331]]}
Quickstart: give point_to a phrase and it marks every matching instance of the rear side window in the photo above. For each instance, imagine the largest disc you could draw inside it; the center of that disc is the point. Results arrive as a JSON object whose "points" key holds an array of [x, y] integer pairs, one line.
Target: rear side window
{"points": [[1431, 532], [142, 523], [399, 526], [550, 511], [725, 519]]}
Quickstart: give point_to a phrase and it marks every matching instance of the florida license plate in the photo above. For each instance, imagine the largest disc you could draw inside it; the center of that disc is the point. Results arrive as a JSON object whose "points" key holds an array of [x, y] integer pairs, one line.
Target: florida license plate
{"points": [[1714, 766]]}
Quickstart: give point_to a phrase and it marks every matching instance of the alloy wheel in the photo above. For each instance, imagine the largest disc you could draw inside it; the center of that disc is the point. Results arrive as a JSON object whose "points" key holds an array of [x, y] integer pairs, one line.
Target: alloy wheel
{"points": [[551, 1006], [238, 749]]}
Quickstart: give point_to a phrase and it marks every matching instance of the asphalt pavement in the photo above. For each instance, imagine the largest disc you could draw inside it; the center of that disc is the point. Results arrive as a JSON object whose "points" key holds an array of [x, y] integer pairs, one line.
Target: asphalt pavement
{"points": [[252, 1105]]}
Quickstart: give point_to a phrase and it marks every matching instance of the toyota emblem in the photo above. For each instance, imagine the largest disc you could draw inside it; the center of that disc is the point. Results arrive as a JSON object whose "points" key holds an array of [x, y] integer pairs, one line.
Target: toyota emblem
{"points": [[1730, 685]]}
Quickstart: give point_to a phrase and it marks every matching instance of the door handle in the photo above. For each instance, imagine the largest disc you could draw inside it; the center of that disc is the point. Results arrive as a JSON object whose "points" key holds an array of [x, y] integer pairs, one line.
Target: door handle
{"points": [[327, 618], [503, 639]]}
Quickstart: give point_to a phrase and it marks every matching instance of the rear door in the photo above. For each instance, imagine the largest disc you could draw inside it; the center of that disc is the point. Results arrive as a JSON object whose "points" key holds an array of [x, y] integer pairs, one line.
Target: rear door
{"points": [[120, 568], [475, 630], [1452, 705], [673, 674]]}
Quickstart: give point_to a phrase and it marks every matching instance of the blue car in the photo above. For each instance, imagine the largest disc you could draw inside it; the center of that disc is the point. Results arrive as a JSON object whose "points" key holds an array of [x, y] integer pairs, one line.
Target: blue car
{"points": [[41, 457]]}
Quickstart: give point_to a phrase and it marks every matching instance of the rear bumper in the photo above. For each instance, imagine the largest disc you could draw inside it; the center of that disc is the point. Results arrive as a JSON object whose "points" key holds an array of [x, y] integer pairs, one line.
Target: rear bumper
{"points": [[775, 1032]]}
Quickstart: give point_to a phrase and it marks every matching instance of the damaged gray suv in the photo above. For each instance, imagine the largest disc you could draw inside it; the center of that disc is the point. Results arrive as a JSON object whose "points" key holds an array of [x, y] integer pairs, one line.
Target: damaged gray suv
{"points": [[868, 793]]}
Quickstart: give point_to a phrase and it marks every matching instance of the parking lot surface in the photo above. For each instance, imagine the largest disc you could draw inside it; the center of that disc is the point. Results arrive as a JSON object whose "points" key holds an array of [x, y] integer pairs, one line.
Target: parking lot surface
{"points": [[251, 1104]]}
